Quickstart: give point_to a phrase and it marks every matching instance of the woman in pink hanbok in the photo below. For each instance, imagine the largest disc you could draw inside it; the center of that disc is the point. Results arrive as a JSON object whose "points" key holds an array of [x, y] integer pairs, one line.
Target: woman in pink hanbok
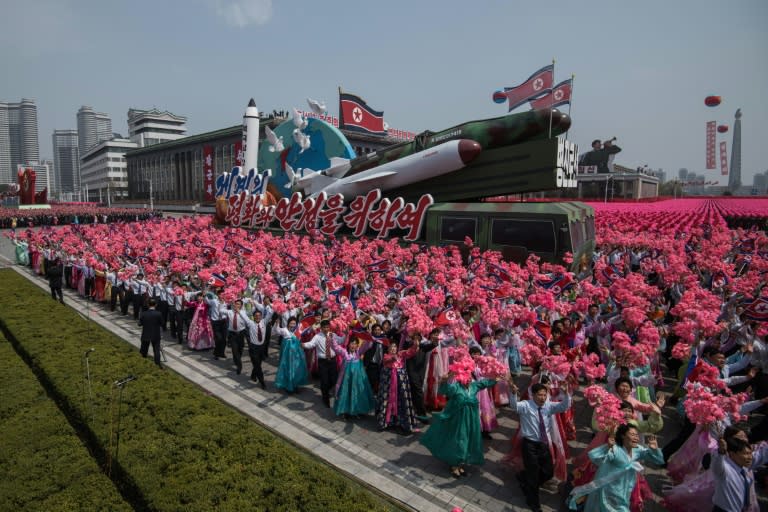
{"points": [[200, 336], [488, 420]]}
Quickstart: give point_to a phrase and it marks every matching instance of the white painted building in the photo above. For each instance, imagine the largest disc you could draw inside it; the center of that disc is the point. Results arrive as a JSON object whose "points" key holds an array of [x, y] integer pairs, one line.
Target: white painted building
{"points": [[150, 127], [103, 171]]}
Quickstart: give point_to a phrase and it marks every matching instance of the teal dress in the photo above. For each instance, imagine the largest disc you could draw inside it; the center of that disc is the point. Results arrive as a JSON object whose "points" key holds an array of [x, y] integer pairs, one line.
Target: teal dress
{"points": [[615, 479], [292, 370], [22, 253], [354, 394], [454, 435]]}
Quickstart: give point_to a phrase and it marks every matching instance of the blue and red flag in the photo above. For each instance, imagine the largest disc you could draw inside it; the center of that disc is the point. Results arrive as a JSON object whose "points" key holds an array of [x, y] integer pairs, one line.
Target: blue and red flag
{"points": [[344, 295], [537, 85], [356, 115], [499, 273], [560, 95], [217, 281], [396, 284], [379, 266], [757, 309], [494, 293], [447, 316], [556, 283]]}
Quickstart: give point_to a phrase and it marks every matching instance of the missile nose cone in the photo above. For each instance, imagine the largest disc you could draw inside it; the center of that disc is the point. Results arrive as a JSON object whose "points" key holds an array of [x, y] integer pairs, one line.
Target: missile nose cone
{"points": [[468, 150], [251, 103]]}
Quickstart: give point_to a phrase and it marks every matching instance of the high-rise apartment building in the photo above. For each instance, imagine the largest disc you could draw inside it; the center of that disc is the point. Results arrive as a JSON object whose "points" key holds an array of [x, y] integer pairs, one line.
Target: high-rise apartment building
{"points": [[66, 157], [18, 137], [92, 128], [149, 127]]}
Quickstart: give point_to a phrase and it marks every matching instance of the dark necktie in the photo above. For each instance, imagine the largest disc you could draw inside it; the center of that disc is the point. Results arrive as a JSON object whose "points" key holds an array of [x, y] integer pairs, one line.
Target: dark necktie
{"points": [[234, 322], [747, 488], [542, 429], [327, 348], [258, 332]]}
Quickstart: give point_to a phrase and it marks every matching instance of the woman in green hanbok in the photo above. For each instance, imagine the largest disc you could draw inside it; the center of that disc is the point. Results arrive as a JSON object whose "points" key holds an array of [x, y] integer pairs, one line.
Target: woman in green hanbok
{"points": [[22, 252], [618, 462], [455, 436]]}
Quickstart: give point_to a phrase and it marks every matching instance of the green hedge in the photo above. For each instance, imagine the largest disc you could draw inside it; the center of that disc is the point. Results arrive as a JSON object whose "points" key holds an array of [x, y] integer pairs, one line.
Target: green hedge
{"points": [[44, 464], [179, 449]]}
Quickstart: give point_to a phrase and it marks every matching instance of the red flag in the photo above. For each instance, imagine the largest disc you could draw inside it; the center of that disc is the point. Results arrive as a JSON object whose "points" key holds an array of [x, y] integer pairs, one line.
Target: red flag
{"points": [[537, 84], [356, 115], [711, 127], [560, 95], [446, 317], [723, 159]]}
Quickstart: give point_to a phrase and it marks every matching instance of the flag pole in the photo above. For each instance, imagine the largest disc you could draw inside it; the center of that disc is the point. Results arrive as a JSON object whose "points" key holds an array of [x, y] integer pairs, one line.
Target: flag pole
{"points": [[570, 102], [341, 112], [550, 106]]}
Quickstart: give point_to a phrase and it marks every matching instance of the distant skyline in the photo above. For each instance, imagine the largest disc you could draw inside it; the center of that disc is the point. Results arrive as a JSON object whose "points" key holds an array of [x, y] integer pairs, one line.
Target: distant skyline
{"points": [[641, 70]]}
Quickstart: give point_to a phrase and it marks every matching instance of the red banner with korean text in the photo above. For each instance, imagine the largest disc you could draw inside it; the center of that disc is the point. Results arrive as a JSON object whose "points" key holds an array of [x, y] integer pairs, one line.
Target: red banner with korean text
{"points": [[208, 174], [369, 215], [239, 156], [723, 159], [711, 129]]}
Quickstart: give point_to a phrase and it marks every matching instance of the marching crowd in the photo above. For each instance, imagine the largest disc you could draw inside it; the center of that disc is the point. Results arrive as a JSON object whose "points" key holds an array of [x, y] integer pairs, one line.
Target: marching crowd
{"points": [[402, 332]]}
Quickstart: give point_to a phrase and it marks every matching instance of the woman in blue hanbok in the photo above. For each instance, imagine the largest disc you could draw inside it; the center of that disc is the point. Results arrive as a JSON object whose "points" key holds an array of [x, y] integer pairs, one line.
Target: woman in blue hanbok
{"points": [[618, 465], [354, 395], [292, 370]]}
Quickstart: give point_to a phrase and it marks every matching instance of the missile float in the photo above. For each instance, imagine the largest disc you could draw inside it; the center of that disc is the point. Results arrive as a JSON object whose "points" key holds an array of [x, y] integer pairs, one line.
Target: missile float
{"points": [[429, 163]]}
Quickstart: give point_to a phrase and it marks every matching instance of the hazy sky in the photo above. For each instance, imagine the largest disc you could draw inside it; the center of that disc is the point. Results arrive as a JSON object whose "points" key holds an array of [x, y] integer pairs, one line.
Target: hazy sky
{"points": [[642, 68]]}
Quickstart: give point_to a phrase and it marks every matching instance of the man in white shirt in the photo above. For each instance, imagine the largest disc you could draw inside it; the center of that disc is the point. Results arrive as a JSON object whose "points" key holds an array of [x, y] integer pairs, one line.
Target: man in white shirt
{"points": [[535, 429], [237, 330], [217, 312], [257, 346], [326, 359], [141, 289]]}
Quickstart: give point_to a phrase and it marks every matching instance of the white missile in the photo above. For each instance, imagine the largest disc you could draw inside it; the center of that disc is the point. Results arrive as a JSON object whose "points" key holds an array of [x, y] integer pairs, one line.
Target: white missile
{"points": [[250, 136], [435, 161]]}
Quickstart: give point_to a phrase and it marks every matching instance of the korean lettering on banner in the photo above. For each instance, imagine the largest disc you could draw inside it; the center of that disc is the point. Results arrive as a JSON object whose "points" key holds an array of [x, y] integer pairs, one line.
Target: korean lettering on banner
{"points": [[229, 184], [723, 159], [239, 156], [711, 128], [324, 213], [208, 174]]}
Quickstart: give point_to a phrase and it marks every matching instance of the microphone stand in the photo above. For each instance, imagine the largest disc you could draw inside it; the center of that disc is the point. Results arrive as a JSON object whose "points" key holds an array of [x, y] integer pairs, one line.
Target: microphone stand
{"points": [[119, 384], [89, 395]]}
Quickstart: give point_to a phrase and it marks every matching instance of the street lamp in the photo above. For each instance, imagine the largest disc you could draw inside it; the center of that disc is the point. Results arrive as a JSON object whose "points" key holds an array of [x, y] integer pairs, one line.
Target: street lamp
{"points": [[607, 179]]}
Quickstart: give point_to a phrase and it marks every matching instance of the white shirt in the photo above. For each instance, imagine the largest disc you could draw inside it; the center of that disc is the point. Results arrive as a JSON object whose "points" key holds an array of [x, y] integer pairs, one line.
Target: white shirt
{"points": [[242, 320]]}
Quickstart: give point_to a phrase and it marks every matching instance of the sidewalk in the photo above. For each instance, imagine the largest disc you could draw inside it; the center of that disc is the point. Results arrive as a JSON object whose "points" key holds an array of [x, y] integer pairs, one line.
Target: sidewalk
{"points": [[396, 465]]}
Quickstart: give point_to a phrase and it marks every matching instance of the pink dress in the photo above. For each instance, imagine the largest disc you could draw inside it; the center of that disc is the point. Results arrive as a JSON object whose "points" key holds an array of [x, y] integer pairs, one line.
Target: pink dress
{"points": [[488, 420], [200, 335]]}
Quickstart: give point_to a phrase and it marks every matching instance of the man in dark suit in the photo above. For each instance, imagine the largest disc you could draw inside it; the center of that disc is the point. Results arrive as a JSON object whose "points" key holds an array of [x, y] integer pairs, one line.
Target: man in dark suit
{"points": [[151, 322], [55, 271]]}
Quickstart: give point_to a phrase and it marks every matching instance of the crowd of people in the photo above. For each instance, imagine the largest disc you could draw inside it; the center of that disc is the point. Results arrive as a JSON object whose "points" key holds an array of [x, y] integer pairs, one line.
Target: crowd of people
{"points": [[59, 215], [404, 331]]}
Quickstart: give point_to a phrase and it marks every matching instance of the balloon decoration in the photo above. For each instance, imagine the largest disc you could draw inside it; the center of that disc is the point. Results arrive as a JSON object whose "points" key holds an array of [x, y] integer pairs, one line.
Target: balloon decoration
{"points": [[712, 101], [723, 128]]}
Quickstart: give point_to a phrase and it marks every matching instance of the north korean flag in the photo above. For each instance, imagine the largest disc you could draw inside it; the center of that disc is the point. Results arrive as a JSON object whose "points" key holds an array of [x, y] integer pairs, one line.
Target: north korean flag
{"points": [[356, 115], [379, 266], [537, 85], [446, 317], [217, 280], [499, 273], [494, 293], [757, 309], [560, 95], [396, 284]]}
